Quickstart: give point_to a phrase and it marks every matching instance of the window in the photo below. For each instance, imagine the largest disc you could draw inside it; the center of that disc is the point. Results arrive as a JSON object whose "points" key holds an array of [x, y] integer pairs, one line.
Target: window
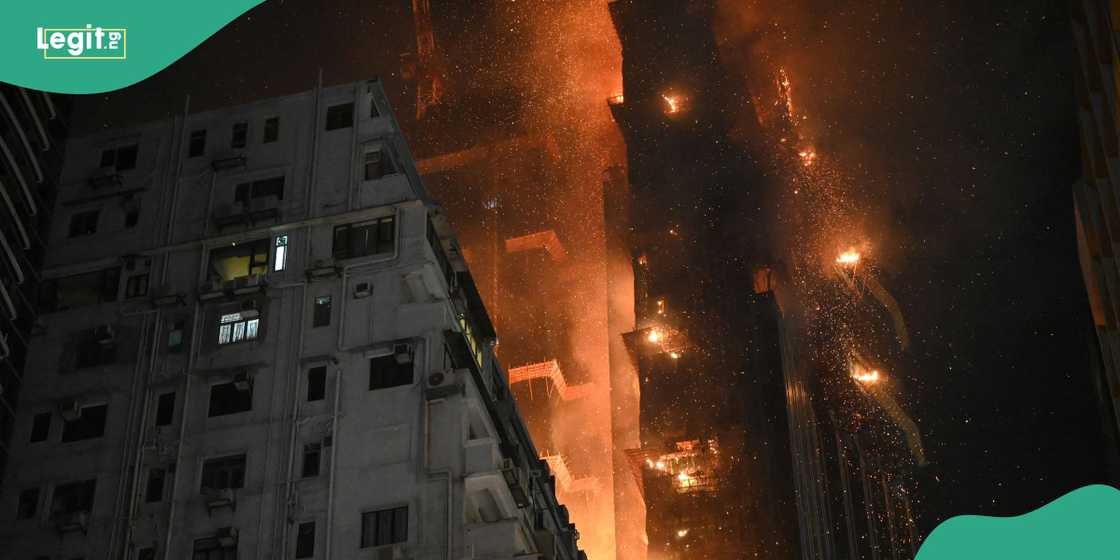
{"points": [[197, 145], [175, 335], [316, 383], [94, 347], [340, 116], [136, 286], [154, 491], [131, 217], [121, 158], [73, 497], [84, 223], [305, 540], [223, 472], [364, 238], [261, 188], [214, 549], [385, 372], [322, 315], [312, 453], [165, 409], [280, 253], [40, 427], [236, 327], [271, 130], [386, 526], [376, 164], [236, 261], [89, 424], [28, 503], [90, 288], [228, 398], [240, 135], [147, 553]]}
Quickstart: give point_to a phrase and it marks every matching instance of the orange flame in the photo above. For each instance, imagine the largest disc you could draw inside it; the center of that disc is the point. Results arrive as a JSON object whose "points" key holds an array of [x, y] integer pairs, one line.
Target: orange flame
{"points": [[673, 104], [848, 258], [868, 377]]}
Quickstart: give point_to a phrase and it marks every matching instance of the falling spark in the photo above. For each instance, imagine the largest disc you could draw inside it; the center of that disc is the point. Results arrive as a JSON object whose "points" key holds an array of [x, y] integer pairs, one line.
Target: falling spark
{"points": [[849, 257]]}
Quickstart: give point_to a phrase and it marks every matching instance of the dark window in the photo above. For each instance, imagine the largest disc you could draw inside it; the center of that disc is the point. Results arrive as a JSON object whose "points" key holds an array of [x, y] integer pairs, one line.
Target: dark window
{"points": [[131, 218], [364, 238], [122, 158], [223, 472], [385, 372], [376, 164], [213, 549], [262, 188], [382, 527], [41, 427], [165, 409], [322, 314], [28, 503], [148, 553], [89, 424], [228, 398], [78, 290], [84, 223], [154, 491], [73, 497], [240, 135], [312, 452], [305, 540], [271, 130], [340, 116], [197, 143], [95, 347], [317, 383], [136, 286], [243, 259]]}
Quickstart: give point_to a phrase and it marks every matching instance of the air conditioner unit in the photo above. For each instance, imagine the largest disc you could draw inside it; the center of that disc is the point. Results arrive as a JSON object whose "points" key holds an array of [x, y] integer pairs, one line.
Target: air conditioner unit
{"points": [[243, 381], [515, 480], [104, 334], [227, 536], [394, 552], [444, 383], [73, 521], [402, 353], [70, 409], [362, 290], [219, 498]]}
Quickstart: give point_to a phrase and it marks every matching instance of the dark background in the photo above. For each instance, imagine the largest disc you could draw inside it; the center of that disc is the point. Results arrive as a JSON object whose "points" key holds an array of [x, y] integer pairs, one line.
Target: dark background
{"points": [[958, 120]]}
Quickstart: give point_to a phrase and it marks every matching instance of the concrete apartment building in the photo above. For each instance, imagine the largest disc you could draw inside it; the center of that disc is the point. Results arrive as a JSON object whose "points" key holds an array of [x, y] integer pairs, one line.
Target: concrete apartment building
{"points": [[32, 136], [1095, 24], [260, 340]]}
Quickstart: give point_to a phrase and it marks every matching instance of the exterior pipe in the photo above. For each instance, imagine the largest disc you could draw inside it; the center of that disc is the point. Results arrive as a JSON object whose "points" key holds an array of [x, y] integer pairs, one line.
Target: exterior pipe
{"points": [[334, 460]]}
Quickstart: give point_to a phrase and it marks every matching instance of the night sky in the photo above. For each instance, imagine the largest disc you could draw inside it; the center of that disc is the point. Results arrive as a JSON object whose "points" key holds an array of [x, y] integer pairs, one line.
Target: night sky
{"points": [[958, 121]]}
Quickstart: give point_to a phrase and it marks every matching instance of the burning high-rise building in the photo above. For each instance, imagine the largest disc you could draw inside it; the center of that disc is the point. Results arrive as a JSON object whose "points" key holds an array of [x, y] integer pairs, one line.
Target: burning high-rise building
{"points": [[714, 459]]}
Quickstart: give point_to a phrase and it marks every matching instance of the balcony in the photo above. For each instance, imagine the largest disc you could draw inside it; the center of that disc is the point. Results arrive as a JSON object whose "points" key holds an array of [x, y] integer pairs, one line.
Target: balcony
{"points": [[482, 456]]}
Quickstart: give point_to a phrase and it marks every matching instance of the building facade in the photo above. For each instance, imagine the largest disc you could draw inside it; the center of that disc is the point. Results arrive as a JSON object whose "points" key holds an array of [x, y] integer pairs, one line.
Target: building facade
{"points": [[32, 137], [260, 340], [1095, 23]]}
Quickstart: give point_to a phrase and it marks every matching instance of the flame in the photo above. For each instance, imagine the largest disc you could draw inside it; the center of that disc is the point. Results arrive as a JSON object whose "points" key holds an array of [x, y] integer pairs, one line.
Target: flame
{"points": [[675, 355], [868, 377], [850, 257], [808, 156], [673, 103], [654, 336], [682, 533]]}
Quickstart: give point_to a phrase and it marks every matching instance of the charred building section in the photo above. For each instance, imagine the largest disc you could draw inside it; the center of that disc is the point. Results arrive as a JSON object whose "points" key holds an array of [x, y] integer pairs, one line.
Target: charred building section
{"points": [[715, 458]]}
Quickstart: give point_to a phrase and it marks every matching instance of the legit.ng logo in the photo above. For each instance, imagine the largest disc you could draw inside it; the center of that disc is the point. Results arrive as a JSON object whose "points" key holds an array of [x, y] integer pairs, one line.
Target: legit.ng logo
{"points": [[89, 43]]}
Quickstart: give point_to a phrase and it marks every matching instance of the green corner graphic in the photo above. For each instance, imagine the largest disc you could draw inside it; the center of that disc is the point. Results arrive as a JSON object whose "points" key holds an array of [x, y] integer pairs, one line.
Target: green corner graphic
{"points": [[137, 39], [1083, 524]]}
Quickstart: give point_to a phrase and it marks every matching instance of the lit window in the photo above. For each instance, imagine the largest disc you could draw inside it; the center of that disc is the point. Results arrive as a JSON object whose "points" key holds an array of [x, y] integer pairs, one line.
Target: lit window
{"points": [[236, 327], [280, 253]]}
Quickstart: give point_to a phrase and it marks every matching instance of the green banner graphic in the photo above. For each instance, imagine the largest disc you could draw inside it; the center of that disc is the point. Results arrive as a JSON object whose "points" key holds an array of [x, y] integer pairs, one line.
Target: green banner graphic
{"points": [[75, 46], [1081, 524]]}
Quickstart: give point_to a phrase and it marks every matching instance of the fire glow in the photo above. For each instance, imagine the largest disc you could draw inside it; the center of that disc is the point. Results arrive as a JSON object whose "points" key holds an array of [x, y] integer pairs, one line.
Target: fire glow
{"points": [[868, 377], [672, 103], [848, 258]]}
